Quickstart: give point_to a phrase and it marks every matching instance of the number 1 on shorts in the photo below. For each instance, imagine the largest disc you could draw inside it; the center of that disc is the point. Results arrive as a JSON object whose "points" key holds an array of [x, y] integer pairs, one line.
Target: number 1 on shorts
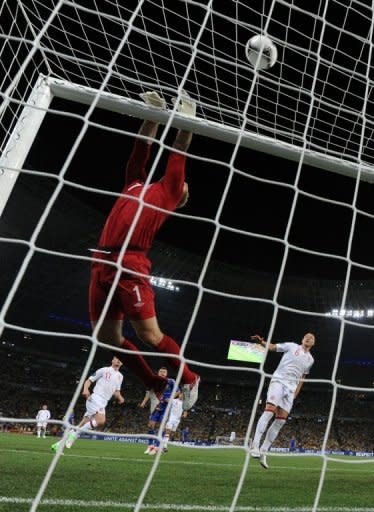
{"points": [[137, 293]]}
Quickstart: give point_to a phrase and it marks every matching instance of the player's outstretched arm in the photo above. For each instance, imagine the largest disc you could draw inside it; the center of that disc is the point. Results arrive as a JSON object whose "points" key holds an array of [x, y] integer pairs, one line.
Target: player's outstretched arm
{"points": [[144, 401], [117, 395], [182, 141], [86, 388], [186, 107], [136, 165], [299, 386], [148, 129], [152, 99], [263, 342]]}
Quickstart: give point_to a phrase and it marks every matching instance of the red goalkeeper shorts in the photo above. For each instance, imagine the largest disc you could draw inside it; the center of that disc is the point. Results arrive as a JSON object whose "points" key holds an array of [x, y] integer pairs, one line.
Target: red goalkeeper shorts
{"points": [[133, 297]]}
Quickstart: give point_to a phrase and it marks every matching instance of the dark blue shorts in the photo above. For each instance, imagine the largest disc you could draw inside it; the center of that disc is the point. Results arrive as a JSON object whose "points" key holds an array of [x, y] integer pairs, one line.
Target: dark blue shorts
{"points": [[157, 415]]}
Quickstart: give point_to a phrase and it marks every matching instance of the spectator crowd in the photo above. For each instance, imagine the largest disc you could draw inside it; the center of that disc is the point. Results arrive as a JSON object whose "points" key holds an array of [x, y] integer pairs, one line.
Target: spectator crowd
{"points": [[221, 409]]}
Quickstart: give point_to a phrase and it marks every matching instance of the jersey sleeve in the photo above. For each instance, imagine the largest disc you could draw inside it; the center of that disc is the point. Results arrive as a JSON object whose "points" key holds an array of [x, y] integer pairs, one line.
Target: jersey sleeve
{"points": [[118, 388], [135, 168], [174, 177], [97, 375], [309, 367], [284, 347]]}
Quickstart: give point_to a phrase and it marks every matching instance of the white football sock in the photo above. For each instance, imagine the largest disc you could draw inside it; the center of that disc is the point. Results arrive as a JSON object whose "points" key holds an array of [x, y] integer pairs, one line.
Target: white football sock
{"points": [[272, 433], [74, 434], [261, 427], [90, 425]]}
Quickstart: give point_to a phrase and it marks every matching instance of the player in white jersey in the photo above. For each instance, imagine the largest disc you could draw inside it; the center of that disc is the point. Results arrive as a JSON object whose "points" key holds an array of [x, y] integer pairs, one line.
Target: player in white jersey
{"points": [[42, 418], [175, 415], [284, 387], [108, 383]]}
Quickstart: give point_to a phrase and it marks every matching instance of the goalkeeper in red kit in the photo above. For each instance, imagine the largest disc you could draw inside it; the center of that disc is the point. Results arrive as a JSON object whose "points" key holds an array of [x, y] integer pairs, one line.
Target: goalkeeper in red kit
{"points": [[134, 297]]}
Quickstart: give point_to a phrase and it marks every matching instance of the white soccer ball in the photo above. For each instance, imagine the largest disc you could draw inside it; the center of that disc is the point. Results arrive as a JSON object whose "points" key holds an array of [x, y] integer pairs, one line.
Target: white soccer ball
{"points": [[264, 46]]}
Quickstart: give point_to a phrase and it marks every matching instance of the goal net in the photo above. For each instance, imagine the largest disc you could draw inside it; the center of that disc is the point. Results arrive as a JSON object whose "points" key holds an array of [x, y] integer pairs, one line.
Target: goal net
{"points": [[276, 241]]}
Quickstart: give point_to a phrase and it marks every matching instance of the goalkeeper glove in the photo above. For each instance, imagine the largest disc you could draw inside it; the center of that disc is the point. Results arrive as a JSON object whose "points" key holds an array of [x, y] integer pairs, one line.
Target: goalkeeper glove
{"points": [[186, 105], [153, 99]]}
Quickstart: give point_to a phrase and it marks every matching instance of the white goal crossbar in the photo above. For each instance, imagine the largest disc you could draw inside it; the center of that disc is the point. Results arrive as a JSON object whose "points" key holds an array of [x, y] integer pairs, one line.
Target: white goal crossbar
{"points": [[22, 136], [211, 129]]}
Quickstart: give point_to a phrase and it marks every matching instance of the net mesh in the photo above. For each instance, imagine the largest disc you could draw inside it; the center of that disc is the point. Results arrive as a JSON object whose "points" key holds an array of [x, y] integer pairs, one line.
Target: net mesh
{"points": [[76, 42], [318, 96]]}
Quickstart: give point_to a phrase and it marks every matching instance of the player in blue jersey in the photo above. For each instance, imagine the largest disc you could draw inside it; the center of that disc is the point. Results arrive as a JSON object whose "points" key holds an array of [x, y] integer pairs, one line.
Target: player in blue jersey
{"points": [[158, 404]]}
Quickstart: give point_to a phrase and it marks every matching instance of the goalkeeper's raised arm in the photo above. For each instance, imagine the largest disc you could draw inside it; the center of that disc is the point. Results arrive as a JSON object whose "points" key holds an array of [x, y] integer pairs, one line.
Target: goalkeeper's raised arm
{"points": [[142, 209], [136, 164], [174, 180]]}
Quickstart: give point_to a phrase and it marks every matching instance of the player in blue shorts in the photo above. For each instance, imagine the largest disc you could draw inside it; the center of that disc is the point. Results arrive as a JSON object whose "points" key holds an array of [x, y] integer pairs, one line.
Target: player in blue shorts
{"points": [[158, 407]]}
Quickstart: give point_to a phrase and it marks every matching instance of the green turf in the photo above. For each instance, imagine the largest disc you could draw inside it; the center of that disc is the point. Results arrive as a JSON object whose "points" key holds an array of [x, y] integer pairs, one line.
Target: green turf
{"points": [[114, 472]]}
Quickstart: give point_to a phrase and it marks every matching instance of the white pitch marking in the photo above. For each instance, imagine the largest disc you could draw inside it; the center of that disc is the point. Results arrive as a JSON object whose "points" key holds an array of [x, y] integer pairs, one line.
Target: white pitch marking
{"points": [[193, 463], [173, 506]]}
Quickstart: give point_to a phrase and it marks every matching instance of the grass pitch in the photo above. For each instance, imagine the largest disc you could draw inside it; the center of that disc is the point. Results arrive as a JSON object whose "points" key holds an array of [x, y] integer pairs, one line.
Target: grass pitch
{"points": [[109, 476]]}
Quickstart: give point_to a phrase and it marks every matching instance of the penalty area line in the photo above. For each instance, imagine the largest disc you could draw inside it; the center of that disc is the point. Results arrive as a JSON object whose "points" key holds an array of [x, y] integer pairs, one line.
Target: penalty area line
{"points": [[174, 506], [195, 463]]}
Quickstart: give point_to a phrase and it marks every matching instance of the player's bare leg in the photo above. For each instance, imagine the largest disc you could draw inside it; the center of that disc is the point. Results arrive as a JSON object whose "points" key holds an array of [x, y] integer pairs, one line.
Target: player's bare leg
{"points": [[86, 424], [92, 423], [110, 331], [150, 333], [151, 442]]}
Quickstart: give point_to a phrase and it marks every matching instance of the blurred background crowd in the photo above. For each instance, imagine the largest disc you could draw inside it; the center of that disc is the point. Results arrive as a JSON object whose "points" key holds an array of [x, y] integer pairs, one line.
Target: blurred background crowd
{"points": [[222, 408]]}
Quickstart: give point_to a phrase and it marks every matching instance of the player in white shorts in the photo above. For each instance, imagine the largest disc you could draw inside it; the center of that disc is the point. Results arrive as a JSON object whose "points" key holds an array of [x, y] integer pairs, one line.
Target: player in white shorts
{"points": [[42, 418], [284, 387], [176, 411], [108, 383]]}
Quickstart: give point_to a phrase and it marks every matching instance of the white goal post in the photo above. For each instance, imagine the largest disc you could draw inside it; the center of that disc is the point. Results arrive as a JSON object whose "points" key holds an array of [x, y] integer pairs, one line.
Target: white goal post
{"points": [[22, 137]]}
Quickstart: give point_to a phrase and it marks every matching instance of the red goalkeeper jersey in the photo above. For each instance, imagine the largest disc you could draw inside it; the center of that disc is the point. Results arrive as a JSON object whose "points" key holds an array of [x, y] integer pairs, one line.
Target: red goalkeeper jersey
{"points": [[165, 194]]}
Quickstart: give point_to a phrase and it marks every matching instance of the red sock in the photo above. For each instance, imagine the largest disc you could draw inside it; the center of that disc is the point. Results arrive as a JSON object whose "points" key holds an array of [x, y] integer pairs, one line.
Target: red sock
{"points": [[138, 365], [168, 345]]}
